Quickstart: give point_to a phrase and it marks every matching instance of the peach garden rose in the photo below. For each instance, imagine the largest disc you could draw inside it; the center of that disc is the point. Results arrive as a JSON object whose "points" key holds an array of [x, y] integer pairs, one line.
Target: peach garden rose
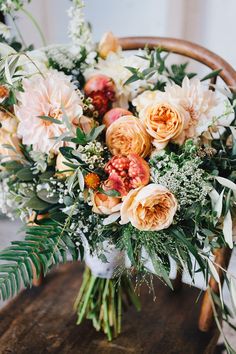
{"points": [[8, 137], [108, 43], [104, 204], [164, 122], [149, 208], [128, 135]]}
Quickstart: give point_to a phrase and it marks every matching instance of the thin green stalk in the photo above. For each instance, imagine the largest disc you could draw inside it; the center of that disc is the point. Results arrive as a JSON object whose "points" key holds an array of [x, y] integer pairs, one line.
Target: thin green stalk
{"points": [[119, 312], [18, 31], [105, 308], [130, 292], [33, 20], [113, 306], [85, 303], [36, 66], [86, 277]]}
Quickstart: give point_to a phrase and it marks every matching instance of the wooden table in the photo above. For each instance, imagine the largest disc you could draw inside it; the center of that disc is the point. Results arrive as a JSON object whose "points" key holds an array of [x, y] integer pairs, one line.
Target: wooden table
{"points": [[41, 321]]}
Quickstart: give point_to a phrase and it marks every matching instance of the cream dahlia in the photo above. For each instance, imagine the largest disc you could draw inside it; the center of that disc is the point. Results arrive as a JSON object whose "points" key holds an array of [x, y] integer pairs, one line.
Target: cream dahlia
{"points": [[198, 101], [47, 95]]}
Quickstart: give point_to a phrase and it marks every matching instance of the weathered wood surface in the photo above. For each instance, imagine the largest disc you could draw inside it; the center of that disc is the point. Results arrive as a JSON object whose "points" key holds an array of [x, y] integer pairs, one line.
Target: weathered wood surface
{"points": [[41, 321]]}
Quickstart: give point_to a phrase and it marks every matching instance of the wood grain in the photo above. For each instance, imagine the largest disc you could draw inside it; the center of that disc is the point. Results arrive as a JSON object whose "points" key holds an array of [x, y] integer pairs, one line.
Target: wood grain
{"points": [[41, 320]]}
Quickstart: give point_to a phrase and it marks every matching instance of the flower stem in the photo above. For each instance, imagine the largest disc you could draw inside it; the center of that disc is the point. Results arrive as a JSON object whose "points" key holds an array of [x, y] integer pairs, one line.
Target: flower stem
{"points": [[33, 20], [100, 300]]}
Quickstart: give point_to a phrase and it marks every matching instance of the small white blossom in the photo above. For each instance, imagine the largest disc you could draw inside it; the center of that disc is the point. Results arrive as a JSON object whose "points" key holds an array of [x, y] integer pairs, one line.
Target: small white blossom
{"points": [[79, 31]]}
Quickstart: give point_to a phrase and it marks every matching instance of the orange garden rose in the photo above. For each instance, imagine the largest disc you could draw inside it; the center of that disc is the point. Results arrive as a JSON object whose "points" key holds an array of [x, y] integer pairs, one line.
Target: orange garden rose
{"points": [[128, 135], [8, 137], [13, 152], [85, 123], [104, 204], [164, 122], [149, 208]]}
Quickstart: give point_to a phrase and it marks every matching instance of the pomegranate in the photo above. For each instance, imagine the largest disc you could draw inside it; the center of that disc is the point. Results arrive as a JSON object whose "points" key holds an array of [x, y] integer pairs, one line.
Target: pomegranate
{"points": [[114, 114], [100, 102], [100, 83], [101, 89]]}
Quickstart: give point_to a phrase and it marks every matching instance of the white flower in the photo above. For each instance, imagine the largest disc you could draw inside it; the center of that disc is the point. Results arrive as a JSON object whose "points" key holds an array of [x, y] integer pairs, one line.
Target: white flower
{"points": [[198, 101], [79, 30], [33, 62], [47, 95], [5, 31], [145, 99]]}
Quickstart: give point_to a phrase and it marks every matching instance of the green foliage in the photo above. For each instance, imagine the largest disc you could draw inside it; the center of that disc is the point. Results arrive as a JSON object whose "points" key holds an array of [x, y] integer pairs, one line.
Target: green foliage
{"points": [[159, 66], [83, 139], [44, 245]]}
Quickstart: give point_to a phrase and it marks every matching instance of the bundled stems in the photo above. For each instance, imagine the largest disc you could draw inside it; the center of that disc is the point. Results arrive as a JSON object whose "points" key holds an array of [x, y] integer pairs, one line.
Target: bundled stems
{"points": [[101, 300]]}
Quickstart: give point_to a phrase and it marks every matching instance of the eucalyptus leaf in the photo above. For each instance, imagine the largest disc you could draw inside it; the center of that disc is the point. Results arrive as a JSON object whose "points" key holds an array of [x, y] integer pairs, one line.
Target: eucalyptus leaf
{"points": [[50, 119], [80, 179], [43, 195], [37, 204], [228, 229], [25, 174], [110, 193]]}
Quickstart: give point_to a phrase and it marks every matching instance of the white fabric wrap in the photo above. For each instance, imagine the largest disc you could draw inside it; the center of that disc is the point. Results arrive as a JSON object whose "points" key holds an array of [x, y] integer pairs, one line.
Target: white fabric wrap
{"points": [[115, 259]]}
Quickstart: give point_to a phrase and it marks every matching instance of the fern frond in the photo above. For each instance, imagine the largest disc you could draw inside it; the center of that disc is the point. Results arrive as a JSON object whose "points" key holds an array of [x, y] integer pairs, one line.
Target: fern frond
{"points": [[44, 246]]}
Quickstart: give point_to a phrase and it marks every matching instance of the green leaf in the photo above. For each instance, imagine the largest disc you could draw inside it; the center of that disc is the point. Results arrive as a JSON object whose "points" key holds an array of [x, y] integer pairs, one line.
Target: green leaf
{"points": [[25, 174], [179, 234], [43, 195], [95, 132], [228, 229], [80, 179], [110, 193], [160, 270], [132, 78], [211, 75], [37, 204], [131, 69], [50, 119]]}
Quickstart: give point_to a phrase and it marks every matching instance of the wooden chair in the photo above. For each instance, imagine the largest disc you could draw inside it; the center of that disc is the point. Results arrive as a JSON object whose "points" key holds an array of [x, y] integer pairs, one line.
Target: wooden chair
{"points": [[41, 320]]}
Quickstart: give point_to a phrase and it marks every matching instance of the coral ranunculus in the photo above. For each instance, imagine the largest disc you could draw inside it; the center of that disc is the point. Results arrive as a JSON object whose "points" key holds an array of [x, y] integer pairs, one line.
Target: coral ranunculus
{"points": [[164, 122], [149, 208], [127, 173], [49, 95], [128, 135]]}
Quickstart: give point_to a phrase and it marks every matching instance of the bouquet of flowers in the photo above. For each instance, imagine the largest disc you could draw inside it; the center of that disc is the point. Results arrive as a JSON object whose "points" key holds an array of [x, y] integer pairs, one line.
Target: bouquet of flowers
{"points": [[123, 161]]}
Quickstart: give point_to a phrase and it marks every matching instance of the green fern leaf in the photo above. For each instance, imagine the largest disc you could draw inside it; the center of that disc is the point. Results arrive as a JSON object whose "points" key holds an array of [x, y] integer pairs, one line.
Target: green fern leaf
{"points": [[44, 246]]}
